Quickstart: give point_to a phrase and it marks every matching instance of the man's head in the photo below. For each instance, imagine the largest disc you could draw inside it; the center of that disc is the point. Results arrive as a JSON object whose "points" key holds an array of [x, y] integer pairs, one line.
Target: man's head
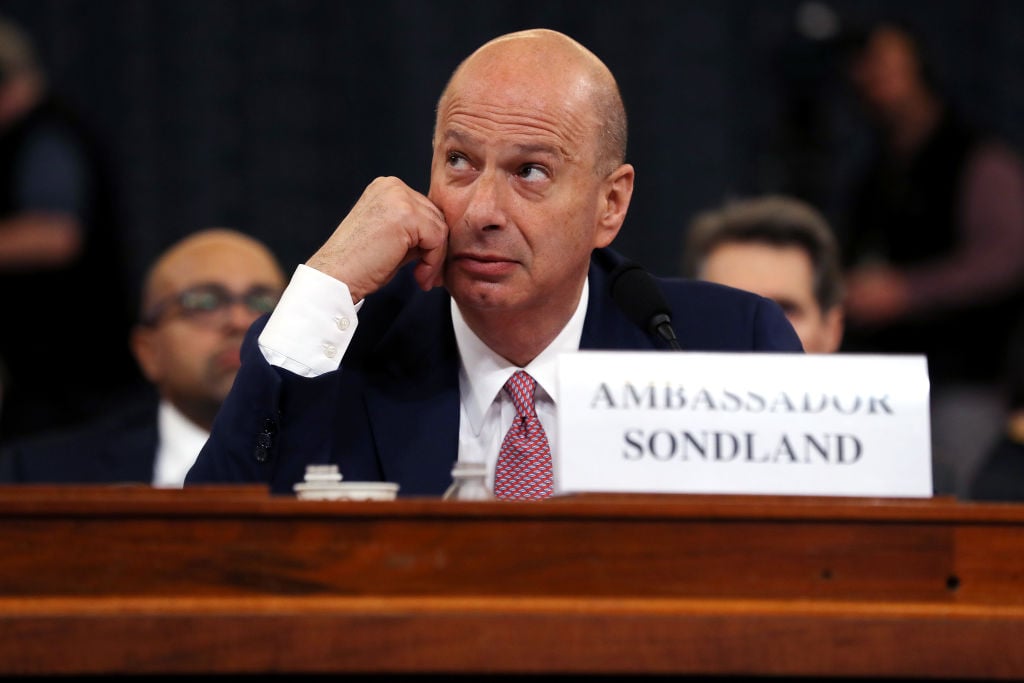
{"points": [[199, 298], [528, 169], [889, 69], [780, 248], [21, 78]]}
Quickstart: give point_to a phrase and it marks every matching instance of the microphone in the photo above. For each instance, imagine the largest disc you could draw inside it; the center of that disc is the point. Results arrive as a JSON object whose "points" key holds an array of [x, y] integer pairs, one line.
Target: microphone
{"points": [[638, 295]]}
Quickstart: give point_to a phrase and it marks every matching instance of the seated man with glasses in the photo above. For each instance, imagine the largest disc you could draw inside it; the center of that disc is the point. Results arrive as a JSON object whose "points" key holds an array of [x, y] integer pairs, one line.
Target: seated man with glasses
{"points": [[199, 298]]}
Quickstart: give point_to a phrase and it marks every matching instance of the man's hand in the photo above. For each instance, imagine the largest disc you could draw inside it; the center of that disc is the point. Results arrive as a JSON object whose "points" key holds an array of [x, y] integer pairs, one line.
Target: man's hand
{"points": [[39, 240], [388, 227]]}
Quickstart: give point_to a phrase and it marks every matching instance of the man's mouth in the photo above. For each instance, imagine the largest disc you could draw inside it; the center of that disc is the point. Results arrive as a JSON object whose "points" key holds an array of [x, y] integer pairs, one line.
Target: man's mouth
{"points": [[483, 265]]}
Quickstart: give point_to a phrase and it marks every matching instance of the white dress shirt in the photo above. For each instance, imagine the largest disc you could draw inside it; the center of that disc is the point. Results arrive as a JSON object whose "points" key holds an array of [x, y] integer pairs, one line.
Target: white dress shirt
{"points": [[179, 441], [312, 326]]}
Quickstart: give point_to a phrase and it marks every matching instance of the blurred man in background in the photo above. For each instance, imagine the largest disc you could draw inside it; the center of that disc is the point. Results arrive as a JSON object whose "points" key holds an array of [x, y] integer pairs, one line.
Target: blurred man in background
{"points": [[781, 248], [784, 249], [199, 299]]}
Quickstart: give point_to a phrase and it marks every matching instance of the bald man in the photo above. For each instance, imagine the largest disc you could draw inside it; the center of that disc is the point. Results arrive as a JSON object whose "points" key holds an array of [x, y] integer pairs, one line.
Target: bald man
{"points": [[199, 298], [425, 330]]}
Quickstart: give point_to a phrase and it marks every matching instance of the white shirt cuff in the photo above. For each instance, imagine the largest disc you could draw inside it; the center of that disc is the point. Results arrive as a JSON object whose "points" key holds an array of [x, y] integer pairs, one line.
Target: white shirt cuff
{"points": [[312, 325]]}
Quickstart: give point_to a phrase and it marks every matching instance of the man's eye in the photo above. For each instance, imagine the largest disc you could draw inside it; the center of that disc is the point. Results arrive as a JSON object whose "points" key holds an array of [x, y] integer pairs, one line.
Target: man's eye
{"points": [[532, 172], [790, 309], [261, 302], [455, 159], [201, 301]]}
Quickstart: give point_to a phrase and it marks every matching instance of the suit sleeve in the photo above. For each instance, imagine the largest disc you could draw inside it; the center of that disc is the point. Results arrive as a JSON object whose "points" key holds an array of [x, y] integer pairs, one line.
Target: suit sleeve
{"points": [[245, 444], [772, 330]]}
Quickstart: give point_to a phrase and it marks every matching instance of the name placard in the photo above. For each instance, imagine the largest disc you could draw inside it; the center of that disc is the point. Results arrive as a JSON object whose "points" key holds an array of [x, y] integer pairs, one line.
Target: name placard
{"points": [[743, 423]]}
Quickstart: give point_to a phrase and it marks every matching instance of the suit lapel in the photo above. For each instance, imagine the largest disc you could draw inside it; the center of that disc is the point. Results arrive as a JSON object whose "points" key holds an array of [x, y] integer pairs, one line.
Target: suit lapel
{"points": [[413, 398]]}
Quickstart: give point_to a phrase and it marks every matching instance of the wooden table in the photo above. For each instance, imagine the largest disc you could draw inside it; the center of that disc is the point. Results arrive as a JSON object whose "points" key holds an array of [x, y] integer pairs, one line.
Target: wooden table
{"points": [[233, 580]]}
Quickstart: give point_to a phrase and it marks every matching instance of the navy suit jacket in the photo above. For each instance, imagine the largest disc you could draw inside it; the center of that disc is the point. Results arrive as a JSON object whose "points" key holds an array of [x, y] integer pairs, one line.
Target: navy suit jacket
{"points": [[391, 411], [119, 448]]}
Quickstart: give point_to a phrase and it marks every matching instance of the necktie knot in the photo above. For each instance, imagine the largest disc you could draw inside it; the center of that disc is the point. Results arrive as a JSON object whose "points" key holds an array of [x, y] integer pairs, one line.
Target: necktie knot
{"points": [[521, 389]]}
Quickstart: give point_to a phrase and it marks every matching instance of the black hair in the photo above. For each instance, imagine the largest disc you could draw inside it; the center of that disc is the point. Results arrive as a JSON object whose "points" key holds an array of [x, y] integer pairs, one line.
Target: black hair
{"points": [[855, 39]]}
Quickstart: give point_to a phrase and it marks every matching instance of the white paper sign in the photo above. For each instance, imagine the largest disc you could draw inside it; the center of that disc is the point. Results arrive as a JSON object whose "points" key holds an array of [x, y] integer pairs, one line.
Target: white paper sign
{"points": [[743, 423]]}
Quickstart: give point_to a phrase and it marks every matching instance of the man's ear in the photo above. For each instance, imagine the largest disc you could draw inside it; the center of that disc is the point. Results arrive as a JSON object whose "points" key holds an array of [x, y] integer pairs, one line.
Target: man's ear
{"points": [[616, 193], [144, 346], [834, 326]]}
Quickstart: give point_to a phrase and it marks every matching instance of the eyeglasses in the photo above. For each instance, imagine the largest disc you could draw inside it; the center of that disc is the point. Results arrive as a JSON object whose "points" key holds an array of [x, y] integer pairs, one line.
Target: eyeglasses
{"points": [[209, 304]]}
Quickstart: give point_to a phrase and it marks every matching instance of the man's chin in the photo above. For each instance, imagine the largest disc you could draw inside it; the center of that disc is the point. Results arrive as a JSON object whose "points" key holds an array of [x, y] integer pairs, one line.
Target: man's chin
{"points": [[220, 382], [228, 359], [480, 295]]}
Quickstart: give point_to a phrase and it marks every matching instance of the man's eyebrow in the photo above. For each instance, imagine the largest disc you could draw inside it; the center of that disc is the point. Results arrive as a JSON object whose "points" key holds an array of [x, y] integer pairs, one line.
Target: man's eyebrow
{"points": [[468, 139], [461, 137]]}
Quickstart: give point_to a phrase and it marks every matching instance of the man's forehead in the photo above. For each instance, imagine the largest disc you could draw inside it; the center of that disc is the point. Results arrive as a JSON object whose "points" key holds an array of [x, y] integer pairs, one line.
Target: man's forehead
{"points": [[754, 261], [525, 118], [524, 143], [232, 268]]}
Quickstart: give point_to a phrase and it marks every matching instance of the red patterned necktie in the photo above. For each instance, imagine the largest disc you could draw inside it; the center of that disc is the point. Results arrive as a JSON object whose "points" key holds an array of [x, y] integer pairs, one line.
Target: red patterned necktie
{"points": [[523, 471]]}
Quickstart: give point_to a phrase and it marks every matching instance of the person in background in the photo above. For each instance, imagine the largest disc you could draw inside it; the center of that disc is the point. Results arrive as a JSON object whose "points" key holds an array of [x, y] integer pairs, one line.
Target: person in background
{"points": [[781, 248], [425, 330], [199, 299], [65, 308], [934, 249]]}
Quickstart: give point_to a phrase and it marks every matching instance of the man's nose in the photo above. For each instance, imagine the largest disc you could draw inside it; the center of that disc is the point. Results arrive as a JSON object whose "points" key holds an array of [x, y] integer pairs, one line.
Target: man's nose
{"points": [[486, 202], [240, 316]]}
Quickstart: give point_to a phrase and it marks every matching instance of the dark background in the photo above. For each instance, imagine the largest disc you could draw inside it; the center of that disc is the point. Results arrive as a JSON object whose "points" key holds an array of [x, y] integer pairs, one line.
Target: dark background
{"points": [[271, 116]]}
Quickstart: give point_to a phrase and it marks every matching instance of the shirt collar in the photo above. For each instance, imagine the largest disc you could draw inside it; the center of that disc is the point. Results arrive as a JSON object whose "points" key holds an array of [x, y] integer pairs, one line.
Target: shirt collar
{"points": [[482, 372], [180, 442]]}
